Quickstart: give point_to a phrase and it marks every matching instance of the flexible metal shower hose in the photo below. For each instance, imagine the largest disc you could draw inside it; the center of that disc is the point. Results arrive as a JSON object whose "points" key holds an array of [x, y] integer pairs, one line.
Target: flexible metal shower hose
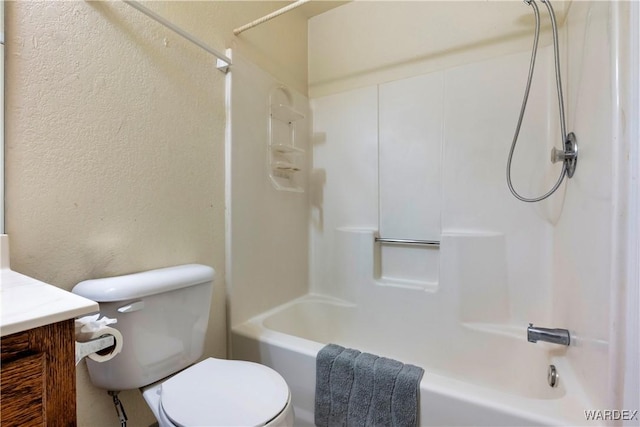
{"points": [[526, 97]]}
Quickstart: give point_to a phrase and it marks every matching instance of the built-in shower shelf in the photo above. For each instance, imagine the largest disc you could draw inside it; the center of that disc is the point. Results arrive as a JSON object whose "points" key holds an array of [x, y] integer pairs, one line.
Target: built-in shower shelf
{"points": [[283, 156], [284, 113], [286, 149], [285, 166]]}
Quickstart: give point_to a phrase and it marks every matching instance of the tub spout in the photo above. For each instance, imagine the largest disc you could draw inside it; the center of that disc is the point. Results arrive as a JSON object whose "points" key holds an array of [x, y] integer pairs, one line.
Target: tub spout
{"points": [[555, 336]]}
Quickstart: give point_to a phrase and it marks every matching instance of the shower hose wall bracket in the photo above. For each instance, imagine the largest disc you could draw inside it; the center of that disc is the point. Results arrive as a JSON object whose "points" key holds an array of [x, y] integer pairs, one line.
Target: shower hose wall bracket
{"points": [[568, 155]]}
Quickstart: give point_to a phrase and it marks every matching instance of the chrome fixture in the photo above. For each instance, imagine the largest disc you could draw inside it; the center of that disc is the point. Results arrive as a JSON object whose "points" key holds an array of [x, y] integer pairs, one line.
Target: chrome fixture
{"points": [[569, 153], [552, 376], [407, 242], [555, 336]]}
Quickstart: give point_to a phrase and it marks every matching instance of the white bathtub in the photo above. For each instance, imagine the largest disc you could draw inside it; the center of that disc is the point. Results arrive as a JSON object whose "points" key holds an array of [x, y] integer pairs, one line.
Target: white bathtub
{"points": [[474, 375]]}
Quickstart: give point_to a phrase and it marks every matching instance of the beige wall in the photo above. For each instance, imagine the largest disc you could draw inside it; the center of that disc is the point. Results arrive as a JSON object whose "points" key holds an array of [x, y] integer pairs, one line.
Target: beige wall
{"points": [[278, 46], [115, 144], [370, 42]]}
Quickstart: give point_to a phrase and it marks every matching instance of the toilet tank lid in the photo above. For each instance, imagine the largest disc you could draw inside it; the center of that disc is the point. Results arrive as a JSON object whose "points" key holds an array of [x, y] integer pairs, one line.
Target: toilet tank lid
{"points": [[138, 285]]}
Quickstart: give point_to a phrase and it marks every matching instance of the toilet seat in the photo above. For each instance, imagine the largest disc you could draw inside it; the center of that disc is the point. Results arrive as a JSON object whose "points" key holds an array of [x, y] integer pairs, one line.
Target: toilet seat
{"points": [[218, 392]]}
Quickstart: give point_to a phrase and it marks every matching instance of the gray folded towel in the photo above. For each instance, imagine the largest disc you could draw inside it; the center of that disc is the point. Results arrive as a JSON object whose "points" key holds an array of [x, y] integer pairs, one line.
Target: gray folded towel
{"points": [[341, 381], [360, 389], [406, 395], [385, 372], [324, 362]]}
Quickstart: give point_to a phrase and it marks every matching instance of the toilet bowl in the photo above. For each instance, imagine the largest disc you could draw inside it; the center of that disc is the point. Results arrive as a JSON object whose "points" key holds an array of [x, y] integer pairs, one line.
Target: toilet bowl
{"points": [[218, 392], [163, 316]]}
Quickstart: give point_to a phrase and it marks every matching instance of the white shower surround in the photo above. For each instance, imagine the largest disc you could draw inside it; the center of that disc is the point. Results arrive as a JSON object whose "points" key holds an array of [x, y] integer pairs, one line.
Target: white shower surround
{"points": [[497, 269], [476, 373]]}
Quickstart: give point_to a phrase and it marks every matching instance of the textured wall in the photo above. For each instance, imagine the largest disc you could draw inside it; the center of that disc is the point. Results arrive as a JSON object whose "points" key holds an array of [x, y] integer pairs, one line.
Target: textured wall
{"points": [[115, 144]]}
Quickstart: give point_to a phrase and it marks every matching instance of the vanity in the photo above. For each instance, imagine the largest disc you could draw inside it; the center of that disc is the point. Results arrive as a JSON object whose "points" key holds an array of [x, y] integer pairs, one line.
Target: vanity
{"points": [[38, 376]]}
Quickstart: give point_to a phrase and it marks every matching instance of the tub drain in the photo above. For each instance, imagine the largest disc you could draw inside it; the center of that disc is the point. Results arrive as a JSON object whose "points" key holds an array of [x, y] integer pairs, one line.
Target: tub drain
{"points": [[552, 376]]}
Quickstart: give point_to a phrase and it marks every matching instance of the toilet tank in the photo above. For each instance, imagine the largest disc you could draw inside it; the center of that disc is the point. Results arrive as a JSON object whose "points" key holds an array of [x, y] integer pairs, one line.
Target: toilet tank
{"points": [[162, 315]]}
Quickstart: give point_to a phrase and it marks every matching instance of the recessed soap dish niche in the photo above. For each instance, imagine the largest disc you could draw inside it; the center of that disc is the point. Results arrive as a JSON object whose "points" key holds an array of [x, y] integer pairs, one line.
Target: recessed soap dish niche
{"points": [[284, 158]]}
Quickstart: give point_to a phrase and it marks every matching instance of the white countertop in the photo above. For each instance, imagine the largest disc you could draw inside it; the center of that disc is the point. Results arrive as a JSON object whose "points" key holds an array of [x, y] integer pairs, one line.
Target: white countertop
{"points": [[27, 303]]}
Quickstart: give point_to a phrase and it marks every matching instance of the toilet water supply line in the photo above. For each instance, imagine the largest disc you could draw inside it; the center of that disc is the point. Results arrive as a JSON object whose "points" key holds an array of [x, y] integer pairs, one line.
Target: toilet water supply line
{"points": [[569, 153], [122, 416]]}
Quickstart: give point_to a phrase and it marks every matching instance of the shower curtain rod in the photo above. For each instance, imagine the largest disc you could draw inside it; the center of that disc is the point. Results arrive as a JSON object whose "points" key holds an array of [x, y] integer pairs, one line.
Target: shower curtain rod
{"points": [[269, 16], [223, 62]]}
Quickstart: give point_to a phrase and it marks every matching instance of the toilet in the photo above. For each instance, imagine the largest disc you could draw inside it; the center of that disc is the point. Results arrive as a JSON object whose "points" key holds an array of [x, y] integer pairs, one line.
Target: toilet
{"points": [[163, 315]]}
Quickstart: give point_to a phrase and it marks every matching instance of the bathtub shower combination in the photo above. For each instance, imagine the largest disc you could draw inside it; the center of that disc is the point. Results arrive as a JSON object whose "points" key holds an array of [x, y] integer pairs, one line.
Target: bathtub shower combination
{"points": [[475, 374], [386, 225]]}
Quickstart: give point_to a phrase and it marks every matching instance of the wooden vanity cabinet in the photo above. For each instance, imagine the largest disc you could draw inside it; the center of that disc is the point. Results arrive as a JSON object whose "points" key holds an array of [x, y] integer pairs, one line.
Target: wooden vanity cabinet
{"points": [[38, 377]]}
